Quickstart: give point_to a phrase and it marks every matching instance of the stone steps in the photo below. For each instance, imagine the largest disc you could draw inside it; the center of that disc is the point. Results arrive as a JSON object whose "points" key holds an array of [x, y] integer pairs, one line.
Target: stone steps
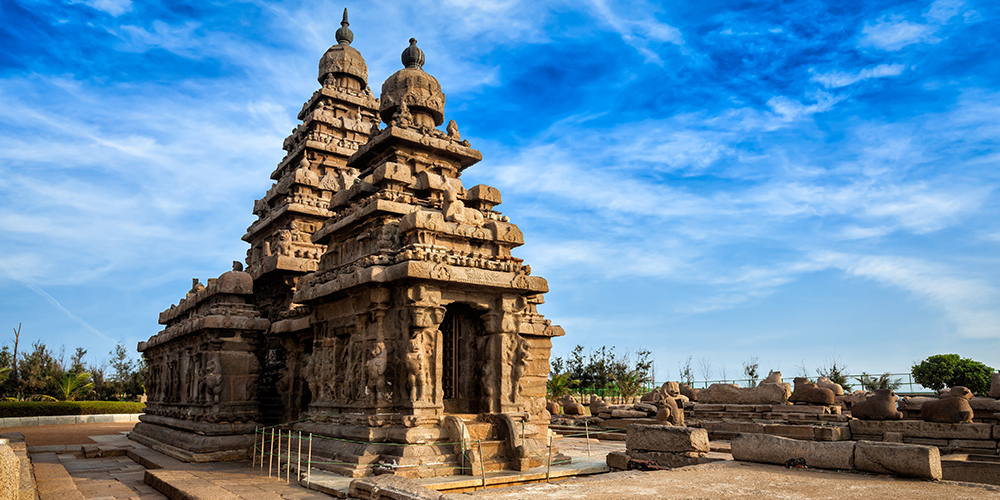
{"points": [[52, 482]]}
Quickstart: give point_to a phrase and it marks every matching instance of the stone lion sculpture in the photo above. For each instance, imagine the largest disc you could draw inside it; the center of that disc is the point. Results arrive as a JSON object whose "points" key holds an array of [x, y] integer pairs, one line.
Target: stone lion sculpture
{"points": [[571, 407], [808, 392], [879, 406], [829, 384], [953, 407], [691, 393], [669, 413], [552, 407]]}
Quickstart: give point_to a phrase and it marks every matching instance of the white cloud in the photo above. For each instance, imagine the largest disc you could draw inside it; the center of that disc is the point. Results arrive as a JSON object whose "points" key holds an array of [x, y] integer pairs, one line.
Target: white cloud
{"points": [[638, 31], [894, 33], [791, 110], [113, 7], [838, 79], [972, 304], [941, 11]]}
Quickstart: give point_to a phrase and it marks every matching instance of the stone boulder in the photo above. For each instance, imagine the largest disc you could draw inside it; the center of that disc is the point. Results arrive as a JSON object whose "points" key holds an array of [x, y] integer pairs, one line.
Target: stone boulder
{"points": [[829, 384], [808, 392], [880, 406], [691, 393], [994, 386], [732, 394], [953, 407]]}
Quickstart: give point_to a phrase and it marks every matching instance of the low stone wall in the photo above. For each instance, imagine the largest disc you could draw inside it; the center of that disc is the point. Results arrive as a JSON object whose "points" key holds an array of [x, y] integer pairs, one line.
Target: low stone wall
{"points": [[949, 438], [68, 419]]}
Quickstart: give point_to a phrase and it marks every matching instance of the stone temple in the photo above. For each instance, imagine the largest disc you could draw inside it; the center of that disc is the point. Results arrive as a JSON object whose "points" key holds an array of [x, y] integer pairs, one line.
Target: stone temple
{"points": [[381, 309]]}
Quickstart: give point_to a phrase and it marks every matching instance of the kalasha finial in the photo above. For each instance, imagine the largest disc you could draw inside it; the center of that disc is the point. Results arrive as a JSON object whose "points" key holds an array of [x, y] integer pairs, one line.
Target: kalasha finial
{"points": [[413, 57], [344, 34]]}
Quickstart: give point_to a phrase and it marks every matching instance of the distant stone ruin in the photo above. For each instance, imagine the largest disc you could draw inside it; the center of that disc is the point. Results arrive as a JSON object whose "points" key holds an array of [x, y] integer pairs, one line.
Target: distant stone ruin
{"points": [[381, 309]]}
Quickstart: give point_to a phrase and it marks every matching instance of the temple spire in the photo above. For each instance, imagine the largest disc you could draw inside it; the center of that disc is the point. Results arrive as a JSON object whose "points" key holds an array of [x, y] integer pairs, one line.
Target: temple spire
{"points": [[344, 34], [412, 56]]}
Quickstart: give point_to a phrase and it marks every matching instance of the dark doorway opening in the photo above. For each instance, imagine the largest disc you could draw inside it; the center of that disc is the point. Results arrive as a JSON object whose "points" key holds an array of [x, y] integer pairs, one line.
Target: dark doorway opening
{"points": [[460, 331]]}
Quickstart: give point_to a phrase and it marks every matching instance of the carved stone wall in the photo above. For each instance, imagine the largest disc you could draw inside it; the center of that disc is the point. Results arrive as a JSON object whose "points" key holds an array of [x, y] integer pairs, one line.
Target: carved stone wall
{"points": [[382, 309]]}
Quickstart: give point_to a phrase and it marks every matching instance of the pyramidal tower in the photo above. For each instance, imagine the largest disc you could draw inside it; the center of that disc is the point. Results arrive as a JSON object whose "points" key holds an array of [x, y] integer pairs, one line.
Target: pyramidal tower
{"points": [[381, 311]]}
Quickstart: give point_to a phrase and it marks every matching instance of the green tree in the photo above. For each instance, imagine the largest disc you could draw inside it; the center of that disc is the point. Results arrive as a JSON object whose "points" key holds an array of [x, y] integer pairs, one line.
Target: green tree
{"points": [[836, 372], [871, 383], [948, 370], [560, 385], [629, 378], [36, 369], [70, 386], [76, 361], [750, 369]]}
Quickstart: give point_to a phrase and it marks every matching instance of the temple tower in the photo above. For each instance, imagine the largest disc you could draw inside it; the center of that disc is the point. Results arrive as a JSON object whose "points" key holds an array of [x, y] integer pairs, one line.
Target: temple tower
{"points": [[381, 311], [425, 324], [336, 121]]}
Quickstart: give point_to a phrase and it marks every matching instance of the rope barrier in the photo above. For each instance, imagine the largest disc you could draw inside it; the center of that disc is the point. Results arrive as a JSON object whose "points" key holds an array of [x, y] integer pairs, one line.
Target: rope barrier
{"points": [[276, 432]]}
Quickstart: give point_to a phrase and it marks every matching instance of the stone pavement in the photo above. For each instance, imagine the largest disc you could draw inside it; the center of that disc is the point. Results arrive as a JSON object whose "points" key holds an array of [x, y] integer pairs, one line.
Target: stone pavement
{"points": [[122, 471]]}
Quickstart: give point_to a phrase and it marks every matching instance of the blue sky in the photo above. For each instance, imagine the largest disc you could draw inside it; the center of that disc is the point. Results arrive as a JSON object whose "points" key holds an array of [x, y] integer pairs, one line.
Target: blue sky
{"points": [[799, 181]]}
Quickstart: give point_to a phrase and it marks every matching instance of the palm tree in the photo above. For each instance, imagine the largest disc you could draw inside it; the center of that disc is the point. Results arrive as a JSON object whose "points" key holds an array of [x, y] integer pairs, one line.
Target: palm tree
{"points": [[70, 386], [559, 385]]}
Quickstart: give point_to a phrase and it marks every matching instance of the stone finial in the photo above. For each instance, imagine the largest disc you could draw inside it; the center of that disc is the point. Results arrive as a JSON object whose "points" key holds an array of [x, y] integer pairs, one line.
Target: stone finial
{"points": [[237, 266], [344, 35], [412, 56]]}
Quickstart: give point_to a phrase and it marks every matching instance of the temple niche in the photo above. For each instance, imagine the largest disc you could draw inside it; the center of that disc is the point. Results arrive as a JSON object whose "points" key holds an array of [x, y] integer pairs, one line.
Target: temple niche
{"points": [[386, 307]]}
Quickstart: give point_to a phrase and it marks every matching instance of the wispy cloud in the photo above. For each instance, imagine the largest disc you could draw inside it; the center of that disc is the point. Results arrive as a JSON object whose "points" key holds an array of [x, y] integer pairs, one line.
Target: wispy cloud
{"points": [[842, 79], [893, 33], [972, 304]]}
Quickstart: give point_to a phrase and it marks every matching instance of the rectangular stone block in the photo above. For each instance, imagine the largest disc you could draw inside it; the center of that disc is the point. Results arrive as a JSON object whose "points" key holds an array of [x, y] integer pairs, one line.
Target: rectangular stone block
{"points": [[617, 460], [740, 408], [779, 450], [664, 459], [921, 429], [732, 427], [925, 441], [99, 419], [763, 408], [799, 409], [667, 438], [996, 432], [790, 431], [902, 459], [971, 472], [628, 414], [971, 443], [831, 433], [702, 407]]}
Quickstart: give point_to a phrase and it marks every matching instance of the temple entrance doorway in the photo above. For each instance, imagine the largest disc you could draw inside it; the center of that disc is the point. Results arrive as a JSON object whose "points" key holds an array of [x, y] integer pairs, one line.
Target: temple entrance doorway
{"points": [[462, 360]]}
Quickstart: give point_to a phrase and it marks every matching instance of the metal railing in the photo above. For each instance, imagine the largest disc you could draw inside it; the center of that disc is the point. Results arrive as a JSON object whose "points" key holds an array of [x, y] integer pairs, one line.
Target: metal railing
{"points": [[907, 386]]}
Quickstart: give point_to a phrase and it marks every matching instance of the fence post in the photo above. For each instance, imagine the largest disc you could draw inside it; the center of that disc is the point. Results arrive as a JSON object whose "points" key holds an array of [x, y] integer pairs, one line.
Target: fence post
{"points": [[309, 461], [548, 468], [270, 455]]}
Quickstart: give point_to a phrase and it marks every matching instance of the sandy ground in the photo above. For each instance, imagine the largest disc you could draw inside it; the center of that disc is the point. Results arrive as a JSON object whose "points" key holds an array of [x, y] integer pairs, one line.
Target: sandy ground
{"points": [[743, 480], [47, 435]]}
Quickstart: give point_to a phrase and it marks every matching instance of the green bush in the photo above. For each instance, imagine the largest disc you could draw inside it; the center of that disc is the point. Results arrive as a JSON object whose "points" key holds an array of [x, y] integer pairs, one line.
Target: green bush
{"points": [[48, 408], [948, 370]]}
